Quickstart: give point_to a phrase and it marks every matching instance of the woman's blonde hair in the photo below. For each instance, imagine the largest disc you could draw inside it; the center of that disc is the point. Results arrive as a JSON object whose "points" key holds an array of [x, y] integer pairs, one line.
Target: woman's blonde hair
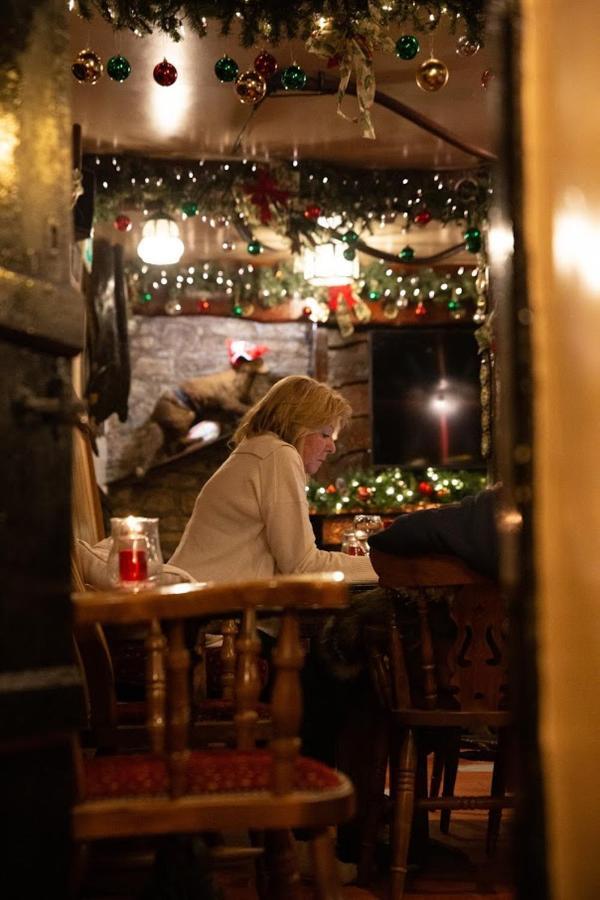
{"points": [[292, 408]]}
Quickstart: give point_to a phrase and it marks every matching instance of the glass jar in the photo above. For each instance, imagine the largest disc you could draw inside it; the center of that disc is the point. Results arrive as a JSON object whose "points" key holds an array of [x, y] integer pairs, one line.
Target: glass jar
{"points": [[135, 558], [352, 545], [365, 525]]}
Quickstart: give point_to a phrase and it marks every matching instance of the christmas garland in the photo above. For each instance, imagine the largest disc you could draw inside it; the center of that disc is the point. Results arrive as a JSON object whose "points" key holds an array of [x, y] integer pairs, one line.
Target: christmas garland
{"points": [[392, 490], [292, 197], [271, 21], [268, 286]]}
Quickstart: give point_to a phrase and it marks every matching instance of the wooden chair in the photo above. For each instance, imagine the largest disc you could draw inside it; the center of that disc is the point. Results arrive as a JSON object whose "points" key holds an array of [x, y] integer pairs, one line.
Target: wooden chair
{"points": [[115, 722], [449, 684], [174, 789]]}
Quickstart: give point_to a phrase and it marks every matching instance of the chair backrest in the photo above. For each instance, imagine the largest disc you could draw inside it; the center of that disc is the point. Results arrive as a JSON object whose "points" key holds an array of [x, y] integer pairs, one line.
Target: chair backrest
{"points": [[168, 669], [458, 658]]}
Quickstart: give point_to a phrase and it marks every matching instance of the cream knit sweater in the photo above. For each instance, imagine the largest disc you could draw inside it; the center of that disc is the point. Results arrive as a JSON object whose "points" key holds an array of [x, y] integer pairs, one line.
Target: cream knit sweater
{"points": [[250, 520]]}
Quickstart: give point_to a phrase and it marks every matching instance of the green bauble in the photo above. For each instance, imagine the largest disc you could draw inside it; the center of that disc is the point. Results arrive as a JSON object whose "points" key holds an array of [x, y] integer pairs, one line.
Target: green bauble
{"points": [[293, 78], [189, 208], [406, 254], [374, 295], [407, 46], [254, 247], [349, 254], [453, 304], [350, 237], [226, 69], [473, 240], [118, 68]]}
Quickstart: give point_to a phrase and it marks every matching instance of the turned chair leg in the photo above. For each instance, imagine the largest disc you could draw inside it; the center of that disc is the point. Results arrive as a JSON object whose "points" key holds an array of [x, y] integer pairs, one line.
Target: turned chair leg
{"points": [[436, 773], [327, 882], [282, 867], [451, 753], [498, 789], [375, 804], [404, 797]]}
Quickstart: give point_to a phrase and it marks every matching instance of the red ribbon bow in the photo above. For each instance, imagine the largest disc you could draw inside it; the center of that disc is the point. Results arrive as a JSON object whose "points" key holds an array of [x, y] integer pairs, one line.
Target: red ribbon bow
{"points": [[264, 192]]}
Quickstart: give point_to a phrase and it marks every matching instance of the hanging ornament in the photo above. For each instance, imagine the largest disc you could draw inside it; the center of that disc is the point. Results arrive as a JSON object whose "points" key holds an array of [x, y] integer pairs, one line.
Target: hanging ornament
{"points": [[87, 67], [237, 310], [374, 295], [432, 75], [423, 218], [226, 69], [425, 489], [312, 212], [407, 46], [122, 223], [466, 47], [254, 247], [406, 254], [364, 492], [466, 191], [202, 306], [165, 73], [486, 76], [189, 208], [250, 87], [265, 64], [293, 78], [331, 489], [350, 237], [172, 307], [420, 309], [349, 253], [473, 240], [118, 68]]}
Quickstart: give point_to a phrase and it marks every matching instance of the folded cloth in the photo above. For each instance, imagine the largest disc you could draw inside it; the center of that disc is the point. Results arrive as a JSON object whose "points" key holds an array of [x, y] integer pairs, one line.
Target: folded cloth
{"points": [[93, 565]]}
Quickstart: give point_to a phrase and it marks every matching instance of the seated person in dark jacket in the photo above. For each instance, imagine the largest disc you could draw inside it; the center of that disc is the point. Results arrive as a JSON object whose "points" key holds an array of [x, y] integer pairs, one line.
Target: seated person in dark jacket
{"points": [[466, 529]]}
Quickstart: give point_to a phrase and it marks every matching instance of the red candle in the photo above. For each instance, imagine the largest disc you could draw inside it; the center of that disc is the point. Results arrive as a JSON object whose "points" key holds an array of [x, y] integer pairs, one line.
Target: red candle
{"points": [[133, 564]]}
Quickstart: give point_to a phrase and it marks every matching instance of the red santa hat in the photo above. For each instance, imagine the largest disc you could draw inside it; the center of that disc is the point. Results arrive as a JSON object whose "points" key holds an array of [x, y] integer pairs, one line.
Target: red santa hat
{"points": [[244, 351]]}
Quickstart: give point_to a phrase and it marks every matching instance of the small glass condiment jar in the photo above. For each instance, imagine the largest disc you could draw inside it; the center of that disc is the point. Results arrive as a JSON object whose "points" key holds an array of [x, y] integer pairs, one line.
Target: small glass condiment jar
{"points": [[353, 546]]}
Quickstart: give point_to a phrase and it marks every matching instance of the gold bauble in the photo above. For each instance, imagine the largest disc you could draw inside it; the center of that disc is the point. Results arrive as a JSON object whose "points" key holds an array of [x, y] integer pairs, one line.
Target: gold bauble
{"points": [[87, 67], [465, 47], [432, 75], [250, 87]]}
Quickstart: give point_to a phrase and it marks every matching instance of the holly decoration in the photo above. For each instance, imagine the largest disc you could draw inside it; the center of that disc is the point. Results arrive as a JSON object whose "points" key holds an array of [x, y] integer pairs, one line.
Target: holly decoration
{"points": [[226, 69], [473, 240], [432, 75], [312, 212], [350, 237], [189, 208], [265, 64], [349, 254], [250, 87], [118, 68], [87, 67], [165, 73], [122, 223], [254, 247], [293, 78], [423, 218], [406, 254], [407, 46]]}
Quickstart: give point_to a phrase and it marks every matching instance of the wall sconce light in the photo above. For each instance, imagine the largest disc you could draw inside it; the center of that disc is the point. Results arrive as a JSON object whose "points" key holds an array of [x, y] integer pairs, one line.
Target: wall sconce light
{"points": [[160, 244]]}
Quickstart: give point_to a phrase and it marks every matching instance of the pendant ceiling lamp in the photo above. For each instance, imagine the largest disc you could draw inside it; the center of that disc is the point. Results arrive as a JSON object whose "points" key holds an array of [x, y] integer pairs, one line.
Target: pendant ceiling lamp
{"points": [[160, 244], [325, 265]]}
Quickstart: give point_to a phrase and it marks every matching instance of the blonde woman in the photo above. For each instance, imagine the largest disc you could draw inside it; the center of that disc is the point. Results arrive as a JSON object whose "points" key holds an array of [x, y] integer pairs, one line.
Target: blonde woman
{"points": [[250, 519]]}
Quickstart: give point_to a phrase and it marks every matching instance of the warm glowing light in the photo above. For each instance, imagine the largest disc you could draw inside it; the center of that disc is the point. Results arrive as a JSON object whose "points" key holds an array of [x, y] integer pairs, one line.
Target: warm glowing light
{"points": [[170, 105], [8, 146], [576, 241], [160, 244], [325, 265]]}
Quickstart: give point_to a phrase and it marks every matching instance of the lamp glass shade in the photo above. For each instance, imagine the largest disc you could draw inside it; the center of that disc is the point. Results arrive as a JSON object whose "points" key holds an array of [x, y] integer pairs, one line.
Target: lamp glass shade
{"points": [[325, 265], [160, 244]]}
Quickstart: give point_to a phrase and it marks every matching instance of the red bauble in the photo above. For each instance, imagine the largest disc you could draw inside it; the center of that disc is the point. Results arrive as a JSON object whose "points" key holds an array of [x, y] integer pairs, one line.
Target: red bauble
{"points": [[312, 212], [423, 218], [165, 73], [122, 223], [202, 306], [331, 489], [265, 64], [425, 488], [307, 310], [364, 492], [421, 309]]}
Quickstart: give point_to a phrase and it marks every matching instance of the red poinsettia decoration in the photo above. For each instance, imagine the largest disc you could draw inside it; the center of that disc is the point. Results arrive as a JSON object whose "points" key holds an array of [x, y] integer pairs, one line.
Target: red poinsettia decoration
{"points": [[264, 192]]}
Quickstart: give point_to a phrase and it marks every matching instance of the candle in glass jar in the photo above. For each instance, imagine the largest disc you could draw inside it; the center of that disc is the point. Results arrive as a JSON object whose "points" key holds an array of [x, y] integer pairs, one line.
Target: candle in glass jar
{"points": [[133, 564]]}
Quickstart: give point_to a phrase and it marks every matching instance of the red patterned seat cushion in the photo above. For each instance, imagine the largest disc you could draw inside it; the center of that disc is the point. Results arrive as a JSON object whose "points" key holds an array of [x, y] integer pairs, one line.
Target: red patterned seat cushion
{"points": [[208, 772], [223, 710]]}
